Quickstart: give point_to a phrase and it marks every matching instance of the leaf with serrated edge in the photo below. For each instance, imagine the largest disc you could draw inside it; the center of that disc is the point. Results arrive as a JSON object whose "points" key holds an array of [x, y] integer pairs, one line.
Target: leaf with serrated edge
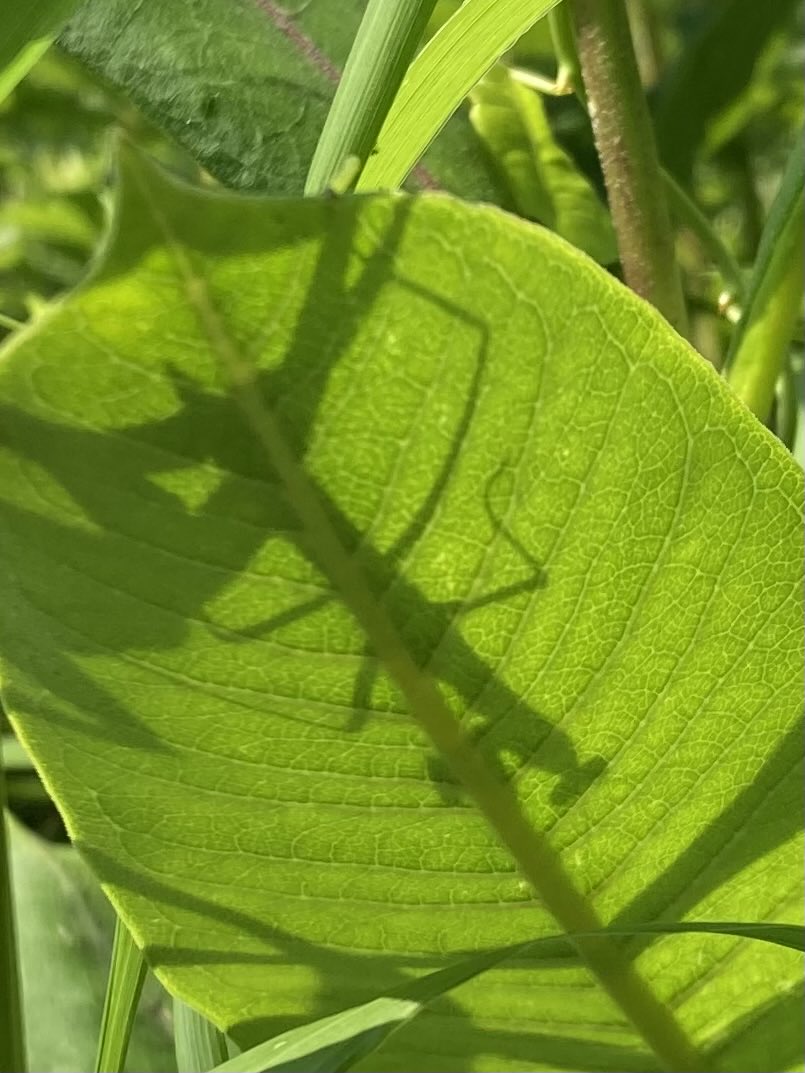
{"points": [[591, 544]]}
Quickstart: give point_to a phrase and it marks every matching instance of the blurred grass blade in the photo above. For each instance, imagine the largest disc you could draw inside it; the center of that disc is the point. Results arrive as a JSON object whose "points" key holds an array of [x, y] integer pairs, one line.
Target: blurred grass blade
{"points": [[126, 976], [383, 48], [774, 299], [12, 1041], [28, 30], [714, 69], [444, 72], [687, 213], [199, 1044], [334, 1044]]}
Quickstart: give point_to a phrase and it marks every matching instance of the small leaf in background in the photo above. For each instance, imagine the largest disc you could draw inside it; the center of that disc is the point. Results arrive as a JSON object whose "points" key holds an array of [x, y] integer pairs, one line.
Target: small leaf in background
{"points": [[65, 929], [544, 183], [593, 546]]}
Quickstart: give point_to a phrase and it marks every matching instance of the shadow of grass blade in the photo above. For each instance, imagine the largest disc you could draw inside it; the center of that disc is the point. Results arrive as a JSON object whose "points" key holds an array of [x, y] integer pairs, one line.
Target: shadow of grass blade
{"points": [[126, 976]]}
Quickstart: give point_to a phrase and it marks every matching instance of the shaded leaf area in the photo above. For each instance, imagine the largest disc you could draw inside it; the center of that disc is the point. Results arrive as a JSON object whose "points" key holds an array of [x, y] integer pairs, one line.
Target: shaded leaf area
{"points": [[245, 85], [65, 928], [590, 544]]}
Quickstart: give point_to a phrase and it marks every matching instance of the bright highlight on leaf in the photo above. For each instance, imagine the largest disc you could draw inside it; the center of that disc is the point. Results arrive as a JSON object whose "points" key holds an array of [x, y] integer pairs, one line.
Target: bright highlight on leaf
{"points": [[589, 544]]}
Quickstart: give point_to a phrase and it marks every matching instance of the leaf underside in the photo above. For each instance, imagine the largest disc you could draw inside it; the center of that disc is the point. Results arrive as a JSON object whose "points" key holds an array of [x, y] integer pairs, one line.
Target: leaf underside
{"points": [[591, 545]]}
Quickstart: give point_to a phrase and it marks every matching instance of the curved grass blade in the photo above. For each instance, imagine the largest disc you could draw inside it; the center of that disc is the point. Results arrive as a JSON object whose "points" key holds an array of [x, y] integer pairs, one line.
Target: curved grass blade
{"points": [[126, 976], [199, 1044], [334, 1044], [383, 48], [447, 68], [774, 299]]}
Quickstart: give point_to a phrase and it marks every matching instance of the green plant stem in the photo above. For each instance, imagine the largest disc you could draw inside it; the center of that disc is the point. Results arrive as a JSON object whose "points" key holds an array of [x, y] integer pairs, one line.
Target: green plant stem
{"points": [[10, 323], [568, 77], [627, 150], [12, 1039], [646, 44], [537, 860], [383, 48]]}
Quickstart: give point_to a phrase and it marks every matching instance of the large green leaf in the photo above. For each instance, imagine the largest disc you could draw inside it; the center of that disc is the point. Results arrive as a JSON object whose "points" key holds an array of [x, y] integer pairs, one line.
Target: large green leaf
{"points": [[245, 85], [593, 547], [65, 927]]}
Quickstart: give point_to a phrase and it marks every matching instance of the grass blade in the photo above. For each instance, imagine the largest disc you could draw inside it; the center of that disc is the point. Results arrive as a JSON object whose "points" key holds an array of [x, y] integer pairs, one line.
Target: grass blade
{"points": [[444, 72], [199, 1044], [334, 1044], [12, 1041], [774, 299], [28, 31], [126, 976], [383, 48]]}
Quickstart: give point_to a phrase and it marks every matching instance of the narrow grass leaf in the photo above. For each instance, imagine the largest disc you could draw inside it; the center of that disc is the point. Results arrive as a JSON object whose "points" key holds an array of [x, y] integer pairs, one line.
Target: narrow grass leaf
{"points": [[12, 1037], [199, 1044], [27, 32], [334, 1044], [453, 61], [384, 46], [773, 305], [123, 989]]}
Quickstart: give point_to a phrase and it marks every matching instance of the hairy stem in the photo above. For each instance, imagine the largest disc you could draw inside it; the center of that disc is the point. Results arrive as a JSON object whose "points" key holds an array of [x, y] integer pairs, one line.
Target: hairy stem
{"points": [[625, 142]]}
